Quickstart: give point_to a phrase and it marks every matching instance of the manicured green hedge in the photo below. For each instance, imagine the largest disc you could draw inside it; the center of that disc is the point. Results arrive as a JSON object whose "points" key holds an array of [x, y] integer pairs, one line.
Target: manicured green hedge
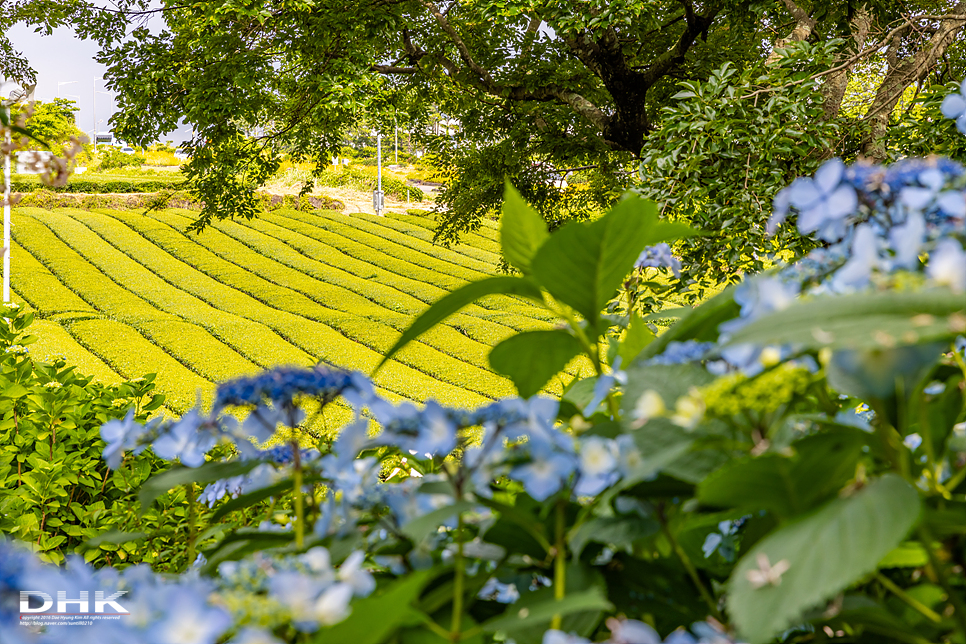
{"points": [[479, 249], [98, 184], [109, 248], [485, 238], [319, 340], [369, 278], [129, 353], [54, 341], [330, 265], [430, 279]]}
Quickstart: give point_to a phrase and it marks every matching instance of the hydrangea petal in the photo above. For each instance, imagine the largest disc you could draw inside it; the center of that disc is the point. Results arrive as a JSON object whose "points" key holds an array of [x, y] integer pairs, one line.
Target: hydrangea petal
{"points": [[953, 106]]}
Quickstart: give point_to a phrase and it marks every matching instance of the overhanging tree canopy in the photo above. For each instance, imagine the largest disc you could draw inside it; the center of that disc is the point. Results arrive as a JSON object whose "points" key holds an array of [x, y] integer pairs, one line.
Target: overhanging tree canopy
{"points": [[535, 84]]}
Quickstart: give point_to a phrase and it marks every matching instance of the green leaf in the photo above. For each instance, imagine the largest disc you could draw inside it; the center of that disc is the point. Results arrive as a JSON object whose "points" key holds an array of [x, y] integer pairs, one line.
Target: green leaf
{"points": [[825, 552], [532, 358], [701, 323], [911, 554], [861, 320], [620, 532], [450, 304], [375, 618], [241, 543], [783, 485], [251, 498], [421, 527], [207, 473], [583, 264], [15, 390], [115, 537], [590, 599], [522, 230], [637, 336]]}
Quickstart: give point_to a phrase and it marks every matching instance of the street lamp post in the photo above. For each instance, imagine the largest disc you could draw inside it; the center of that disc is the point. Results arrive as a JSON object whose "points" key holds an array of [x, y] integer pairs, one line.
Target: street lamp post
{"points": [[378, 198], [60, 83]]}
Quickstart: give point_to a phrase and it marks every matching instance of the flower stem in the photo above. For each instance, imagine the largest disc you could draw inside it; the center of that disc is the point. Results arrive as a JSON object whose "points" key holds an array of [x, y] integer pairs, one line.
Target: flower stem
{"points": [[299, 501], [691, 570], [190, 494], [458, 573], [559, 563], [906, 597], [959, 608]]}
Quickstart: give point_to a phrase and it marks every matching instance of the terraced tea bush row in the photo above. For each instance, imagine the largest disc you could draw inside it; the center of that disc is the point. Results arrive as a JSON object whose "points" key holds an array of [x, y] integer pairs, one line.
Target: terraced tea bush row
{"points": [[422, 283], [316, 259], [252, 340], [424, 358], [384, 323], [188, 343], [99, 184]]}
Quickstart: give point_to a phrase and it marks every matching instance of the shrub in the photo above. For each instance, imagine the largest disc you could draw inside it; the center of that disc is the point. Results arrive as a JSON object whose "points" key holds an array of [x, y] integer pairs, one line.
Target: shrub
{"points": [[110, 158], [54, 489]]}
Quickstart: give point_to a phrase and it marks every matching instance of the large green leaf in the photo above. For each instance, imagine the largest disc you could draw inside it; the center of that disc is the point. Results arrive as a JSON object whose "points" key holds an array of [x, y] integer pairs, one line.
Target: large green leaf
{"points": [[583, 264], [522, 230], [862, 320], [375, 618], [825, 553], [532, 358], [453, 302], [207, 473], [787, 485]]}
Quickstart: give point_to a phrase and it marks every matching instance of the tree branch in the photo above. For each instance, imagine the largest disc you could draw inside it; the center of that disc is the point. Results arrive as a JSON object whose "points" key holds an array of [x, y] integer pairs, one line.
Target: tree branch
{"points": [[900, 76], [804, 25], [441, 20], [393, 69], [865, 53]]}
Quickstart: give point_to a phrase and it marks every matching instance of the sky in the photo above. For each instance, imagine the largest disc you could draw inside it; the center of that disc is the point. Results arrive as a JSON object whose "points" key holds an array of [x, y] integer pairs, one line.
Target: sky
{"points": [[66, 68]]}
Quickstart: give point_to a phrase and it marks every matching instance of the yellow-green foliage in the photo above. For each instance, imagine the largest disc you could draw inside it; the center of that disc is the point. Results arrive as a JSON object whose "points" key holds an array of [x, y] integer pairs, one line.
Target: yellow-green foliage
{"points": [[733, 394], [121, 294]]}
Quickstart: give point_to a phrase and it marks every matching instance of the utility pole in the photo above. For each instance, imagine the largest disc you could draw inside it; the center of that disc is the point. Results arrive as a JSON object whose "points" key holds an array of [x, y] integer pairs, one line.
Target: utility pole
{"points": [[6, 215], [378, 199]]}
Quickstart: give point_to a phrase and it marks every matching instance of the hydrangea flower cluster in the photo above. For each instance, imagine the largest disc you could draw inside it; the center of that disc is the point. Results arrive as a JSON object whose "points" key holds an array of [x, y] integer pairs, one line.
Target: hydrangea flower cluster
{"points": [[304, 589], [517, 439], [631, 631], [274, 395], [659, 256], [878, 219]]}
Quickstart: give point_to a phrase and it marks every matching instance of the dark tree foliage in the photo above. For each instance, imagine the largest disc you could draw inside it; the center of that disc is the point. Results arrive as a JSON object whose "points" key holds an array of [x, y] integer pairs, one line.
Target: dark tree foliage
{"points": [[541, 89]]}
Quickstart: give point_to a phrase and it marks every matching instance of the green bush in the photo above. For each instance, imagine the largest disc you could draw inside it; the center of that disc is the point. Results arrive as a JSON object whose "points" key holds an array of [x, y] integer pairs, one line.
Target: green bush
{"points": [[97, 184], [55, 489], [364, 178], [109, 158]]}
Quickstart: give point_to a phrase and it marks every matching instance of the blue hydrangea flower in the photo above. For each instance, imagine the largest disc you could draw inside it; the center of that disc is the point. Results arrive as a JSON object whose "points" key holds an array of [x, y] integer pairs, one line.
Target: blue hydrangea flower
{"points": [[546, 476], [855, 273], [120, 436], [185, 440], [659, 256], [954, 107], [947, 265], [437, 433], [824, 201]]}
